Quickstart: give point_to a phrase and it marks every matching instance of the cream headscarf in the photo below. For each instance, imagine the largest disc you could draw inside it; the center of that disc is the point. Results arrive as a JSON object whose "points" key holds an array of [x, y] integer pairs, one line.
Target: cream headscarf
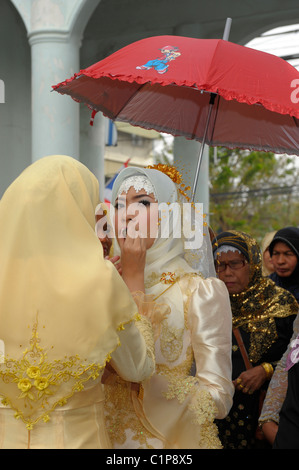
{"points": [[167, 254], [61, 303], [264, 246]]}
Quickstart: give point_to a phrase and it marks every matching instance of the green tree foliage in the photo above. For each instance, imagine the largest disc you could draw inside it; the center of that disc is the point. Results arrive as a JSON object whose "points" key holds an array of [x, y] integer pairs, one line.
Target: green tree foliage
{"points": [[255, 192]]}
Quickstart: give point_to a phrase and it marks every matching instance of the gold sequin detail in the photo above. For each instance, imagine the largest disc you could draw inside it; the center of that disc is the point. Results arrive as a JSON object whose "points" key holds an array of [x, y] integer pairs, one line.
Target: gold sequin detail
{"points": [[256, 308]]}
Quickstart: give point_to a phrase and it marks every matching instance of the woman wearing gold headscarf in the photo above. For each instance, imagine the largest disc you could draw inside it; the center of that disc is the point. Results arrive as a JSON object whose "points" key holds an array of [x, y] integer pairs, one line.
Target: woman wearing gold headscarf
{"points": [[263, 316], [64, 311]]}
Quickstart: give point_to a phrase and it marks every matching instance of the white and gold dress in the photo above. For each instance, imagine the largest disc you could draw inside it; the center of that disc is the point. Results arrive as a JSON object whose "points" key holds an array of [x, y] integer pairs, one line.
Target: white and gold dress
{"points": [[192, 322]]}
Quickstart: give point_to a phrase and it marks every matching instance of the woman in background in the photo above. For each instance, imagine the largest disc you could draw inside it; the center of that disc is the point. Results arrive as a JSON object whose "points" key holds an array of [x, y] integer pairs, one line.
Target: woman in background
{"points": [[263, 316], [284, 252]]}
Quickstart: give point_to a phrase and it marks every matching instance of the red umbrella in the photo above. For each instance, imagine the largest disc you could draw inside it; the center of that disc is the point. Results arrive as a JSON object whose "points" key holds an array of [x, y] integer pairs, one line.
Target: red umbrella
{"points": [[211, 90]]}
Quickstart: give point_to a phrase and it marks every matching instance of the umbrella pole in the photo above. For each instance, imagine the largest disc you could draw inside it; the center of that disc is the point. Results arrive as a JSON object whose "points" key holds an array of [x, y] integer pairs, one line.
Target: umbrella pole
{"points": [[212, 100], [227, 29]]}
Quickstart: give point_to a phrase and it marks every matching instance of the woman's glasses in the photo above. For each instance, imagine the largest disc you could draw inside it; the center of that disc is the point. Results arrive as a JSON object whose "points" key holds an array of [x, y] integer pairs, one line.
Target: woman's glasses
{"points": [[234, 264]]}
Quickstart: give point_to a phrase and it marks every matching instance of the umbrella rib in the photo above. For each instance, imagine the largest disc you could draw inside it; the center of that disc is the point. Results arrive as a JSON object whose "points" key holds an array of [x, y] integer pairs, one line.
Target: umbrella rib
{"points": [[215, 118], [131, 98], [211, 104]]}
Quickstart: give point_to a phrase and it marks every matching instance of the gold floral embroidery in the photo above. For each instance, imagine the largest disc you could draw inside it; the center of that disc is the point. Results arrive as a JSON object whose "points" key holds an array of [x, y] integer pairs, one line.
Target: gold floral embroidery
{"points": [[171, 342], [202, 407], [180, 370], [180, 388], [39, 380], [152, 279], [144, 326], [122, 422]]}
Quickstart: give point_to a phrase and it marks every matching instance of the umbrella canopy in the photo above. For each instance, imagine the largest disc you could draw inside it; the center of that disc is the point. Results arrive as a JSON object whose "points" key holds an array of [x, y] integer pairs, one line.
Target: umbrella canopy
{"points": [[165, 83]]}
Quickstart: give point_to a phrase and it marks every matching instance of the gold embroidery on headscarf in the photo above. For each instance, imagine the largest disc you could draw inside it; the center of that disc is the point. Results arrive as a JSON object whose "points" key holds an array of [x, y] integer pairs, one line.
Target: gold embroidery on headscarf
{"points": [[256, 308], [37, 380]]}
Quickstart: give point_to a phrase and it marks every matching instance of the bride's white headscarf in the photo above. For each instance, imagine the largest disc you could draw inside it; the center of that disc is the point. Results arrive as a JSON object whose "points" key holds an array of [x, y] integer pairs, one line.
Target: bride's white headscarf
{"points": [[168, 253]]}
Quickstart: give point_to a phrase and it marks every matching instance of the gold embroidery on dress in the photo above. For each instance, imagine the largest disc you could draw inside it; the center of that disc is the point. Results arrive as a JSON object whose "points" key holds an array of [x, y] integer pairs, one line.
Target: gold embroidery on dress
{"points": [[200, 404], [144, 326], [171, 342], [122, 422], [37, 380], [182, 386]]}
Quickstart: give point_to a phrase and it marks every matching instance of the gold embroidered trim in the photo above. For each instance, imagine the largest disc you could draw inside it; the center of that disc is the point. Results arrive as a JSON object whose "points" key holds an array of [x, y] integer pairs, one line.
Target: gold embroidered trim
{"points": [[202, 407], [145, 328], [38, 380]]}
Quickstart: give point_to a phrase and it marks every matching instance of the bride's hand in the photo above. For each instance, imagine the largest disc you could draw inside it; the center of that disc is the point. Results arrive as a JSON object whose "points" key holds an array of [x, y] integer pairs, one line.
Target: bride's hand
{"points": [[133, 255]]}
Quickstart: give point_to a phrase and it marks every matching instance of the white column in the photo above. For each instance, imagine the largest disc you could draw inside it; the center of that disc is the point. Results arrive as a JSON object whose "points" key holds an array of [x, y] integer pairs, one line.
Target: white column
{"points": [[55, 118], [186, 153], [92, 145]]}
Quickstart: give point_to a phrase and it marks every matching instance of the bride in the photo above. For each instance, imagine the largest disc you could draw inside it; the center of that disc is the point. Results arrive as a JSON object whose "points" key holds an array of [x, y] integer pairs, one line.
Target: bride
{"points": [[191, 320]]}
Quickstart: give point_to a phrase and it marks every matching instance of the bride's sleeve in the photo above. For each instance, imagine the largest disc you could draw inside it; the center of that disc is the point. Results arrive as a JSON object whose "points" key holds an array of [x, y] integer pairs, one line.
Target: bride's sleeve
{"points": [[210, 321], [134, 359]]}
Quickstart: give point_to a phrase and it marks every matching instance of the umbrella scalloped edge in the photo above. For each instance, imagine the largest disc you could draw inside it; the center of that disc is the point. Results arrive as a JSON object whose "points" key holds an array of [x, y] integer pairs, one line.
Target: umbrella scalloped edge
{"points": [[227, 95]]}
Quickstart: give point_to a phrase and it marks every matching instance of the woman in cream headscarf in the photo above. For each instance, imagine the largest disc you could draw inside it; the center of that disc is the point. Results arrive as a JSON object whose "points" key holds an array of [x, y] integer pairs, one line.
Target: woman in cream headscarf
{"points": [[172, 409], [267, 263], [62, 307]]}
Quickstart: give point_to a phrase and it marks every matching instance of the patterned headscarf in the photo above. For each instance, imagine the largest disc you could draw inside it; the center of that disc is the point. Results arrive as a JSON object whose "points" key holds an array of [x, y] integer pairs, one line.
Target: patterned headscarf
{"points": [[255, 308]]}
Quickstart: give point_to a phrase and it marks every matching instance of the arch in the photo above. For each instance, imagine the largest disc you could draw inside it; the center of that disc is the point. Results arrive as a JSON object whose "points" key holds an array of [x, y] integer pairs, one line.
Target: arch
{"points": [[81, 15], [265, 28], [276, 41], [23, 11]]}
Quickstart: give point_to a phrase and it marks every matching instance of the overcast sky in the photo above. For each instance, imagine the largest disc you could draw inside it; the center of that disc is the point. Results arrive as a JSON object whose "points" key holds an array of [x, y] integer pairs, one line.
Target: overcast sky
{"points": [[283, 41]]}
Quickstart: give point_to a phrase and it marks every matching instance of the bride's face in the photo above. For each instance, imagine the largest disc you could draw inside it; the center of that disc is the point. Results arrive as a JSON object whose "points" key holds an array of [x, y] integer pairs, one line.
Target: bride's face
{"points": [[136, 214]]}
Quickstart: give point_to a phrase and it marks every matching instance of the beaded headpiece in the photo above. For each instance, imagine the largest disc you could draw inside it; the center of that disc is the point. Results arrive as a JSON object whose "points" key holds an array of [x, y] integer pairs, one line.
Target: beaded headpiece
{"points": [[174, 174]]}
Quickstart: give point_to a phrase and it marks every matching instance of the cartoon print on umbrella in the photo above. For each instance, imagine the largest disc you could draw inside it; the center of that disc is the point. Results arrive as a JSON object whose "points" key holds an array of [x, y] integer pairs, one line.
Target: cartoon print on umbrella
{"points": [[160, 64]]}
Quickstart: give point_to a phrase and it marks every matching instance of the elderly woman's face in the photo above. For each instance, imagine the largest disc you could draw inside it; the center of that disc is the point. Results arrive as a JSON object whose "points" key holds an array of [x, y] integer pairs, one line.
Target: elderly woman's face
{"points": [[233, 269], [136, 213]]}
